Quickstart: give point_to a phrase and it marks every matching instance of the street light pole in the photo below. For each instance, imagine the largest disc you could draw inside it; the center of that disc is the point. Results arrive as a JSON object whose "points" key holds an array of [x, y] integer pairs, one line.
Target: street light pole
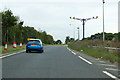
{"points": [[83, 29], [84, 20], [103, 22], [78, 33], [73, 31]]}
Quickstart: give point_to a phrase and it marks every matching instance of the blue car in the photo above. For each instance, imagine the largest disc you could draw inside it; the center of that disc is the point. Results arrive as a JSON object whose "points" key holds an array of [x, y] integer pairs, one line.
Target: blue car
{"points": [[34, 45]]}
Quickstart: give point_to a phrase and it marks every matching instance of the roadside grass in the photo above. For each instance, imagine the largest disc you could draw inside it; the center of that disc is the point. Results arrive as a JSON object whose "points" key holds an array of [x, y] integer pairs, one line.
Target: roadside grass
{"points": [[82, 46], [11, 49], [0, 49]]}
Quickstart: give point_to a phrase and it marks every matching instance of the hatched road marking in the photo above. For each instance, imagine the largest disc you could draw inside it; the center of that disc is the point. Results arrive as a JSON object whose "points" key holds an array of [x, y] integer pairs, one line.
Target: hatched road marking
{"points": [[105, 72], [107, 65], [112, 69], [110, 75]]}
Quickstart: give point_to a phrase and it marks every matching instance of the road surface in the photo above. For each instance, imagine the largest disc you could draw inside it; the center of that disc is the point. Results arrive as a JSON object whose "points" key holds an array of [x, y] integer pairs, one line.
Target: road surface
{"points": [[56, 62]]}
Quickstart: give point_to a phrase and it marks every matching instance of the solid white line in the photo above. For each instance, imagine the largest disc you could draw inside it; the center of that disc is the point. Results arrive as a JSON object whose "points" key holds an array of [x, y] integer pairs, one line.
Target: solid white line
{"points": [[11, 54], [85, 60], [109, 74], [73, 53]]}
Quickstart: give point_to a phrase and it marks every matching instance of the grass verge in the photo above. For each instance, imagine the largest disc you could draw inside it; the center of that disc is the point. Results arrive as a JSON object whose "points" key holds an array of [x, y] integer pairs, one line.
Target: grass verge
{"points": [[11, 49], [100, 52], [0, 49]]}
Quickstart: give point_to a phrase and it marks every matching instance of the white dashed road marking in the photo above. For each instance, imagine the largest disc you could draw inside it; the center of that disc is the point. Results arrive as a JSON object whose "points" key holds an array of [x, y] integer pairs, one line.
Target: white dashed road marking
{"points": [[85, 60], [80, 57], [110, 75], [74, 53], [71, 51], [105, 72], [68, 49]]}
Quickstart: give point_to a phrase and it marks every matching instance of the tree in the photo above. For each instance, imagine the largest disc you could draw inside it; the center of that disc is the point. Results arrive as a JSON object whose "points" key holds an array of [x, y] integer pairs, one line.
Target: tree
{"points": [[99, 36], [109, 36], [13, 30], [67, 40], [8, 20], [71, 39], [50, 39], [31, 32], [58, 42], [119, 36]]}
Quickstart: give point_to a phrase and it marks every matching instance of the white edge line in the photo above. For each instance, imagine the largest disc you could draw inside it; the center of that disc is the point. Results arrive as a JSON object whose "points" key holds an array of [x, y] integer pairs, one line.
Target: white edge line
{"points": [[12, 54], [85, 60], [109, 74], [68, 49], [9, 55]]}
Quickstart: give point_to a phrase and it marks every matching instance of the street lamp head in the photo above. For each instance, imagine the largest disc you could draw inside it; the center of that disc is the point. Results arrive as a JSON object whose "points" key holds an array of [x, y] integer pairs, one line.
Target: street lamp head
{"points": [[96, 17], [73, 17], [103, 1]]}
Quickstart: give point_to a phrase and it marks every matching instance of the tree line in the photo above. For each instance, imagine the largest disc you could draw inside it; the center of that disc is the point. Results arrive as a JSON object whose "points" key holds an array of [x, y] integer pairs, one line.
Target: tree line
{"points": [[97, 36], [108, 36], [13, 30]]}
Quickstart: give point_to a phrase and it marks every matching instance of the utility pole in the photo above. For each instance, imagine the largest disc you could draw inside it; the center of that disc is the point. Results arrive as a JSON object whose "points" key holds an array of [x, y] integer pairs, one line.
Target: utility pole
{"points": [[103, 22], [84, 20]]}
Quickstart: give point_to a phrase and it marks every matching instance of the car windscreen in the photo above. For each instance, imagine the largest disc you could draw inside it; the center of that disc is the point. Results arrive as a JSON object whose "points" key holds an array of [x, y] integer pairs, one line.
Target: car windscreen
{"points": [[34, 41]]}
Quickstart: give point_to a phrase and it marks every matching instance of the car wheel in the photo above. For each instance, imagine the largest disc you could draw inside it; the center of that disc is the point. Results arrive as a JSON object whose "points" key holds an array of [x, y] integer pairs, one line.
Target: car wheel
{"points": [[41, 51], [26, 51]]}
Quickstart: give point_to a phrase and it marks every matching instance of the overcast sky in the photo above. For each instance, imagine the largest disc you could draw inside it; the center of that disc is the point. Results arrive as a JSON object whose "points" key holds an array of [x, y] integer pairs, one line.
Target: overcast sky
{"points": [[52, 16]]}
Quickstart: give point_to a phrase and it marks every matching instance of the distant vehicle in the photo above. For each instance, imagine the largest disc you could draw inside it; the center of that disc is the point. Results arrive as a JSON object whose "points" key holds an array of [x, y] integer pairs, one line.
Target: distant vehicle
{"points": [[30, 38], [34, 45]]}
